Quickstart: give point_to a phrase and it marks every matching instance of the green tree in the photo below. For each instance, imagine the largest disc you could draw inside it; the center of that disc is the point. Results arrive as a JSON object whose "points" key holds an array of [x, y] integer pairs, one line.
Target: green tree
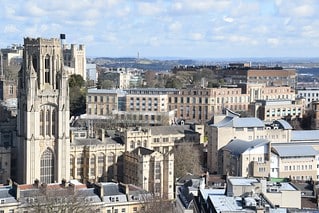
{"points": [[106, 84], [77, 95], [173, 82]]}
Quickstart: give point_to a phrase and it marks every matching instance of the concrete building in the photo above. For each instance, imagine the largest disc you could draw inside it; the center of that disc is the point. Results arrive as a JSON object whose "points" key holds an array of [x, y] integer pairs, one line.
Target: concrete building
{"points": [[150, 170], [75, 58], [91, 74], [297, 162], [144, 105], [309, 94], [43, 116], [246, 158], [161, 138], [200, 104], [231, 126], [269, 110], [122, 78], [271, 76]]}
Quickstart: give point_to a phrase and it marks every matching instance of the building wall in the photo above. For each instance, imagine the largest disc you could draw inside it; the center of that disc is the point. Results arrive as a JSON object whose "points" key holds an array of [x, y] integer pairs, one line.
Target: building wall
{"points": [[298, 168], [153, 172], [219, 137], [309, 94], [277, 109], [75, 57], [280, 198], [43, 115]]}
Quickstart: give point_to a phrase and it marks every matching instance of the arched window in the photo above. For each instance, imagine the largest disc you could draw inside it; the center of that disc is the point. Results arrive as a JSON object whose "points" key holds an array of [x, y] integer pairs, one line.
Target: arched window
{"points": [[47, 122], [41, 122], [101, 163], [47, 167], [72, 165], [92, 165], [110, 159], [47, 69], [35, 62], [53, 122], [132, 144]]}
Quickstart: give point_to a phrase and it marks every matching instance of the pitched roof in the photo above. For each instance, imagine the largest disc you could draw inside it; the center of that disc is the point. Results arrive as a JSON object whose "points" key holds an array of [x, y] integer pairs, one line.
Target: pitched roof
{"points": [[170, 130], [229, 121], [237, 146], [305, 135], [283, 124], [142, 151], [291, 150]]}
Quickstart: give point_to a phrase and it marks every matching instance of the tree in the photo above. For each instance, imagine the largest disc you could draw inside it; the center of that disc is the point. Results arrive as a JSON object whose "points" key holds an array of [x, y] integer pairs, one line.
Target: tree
{"points": [[106, 84], [173, 82], [59, 200], [77, 95], [187, 159], [151, 204]]}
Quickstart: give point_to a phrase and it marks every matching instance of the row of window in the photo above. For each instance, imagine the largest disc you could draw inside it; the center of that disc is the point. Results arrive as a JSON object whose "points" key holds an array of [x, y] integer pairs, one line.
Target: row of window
{"points": [[298, 167]]}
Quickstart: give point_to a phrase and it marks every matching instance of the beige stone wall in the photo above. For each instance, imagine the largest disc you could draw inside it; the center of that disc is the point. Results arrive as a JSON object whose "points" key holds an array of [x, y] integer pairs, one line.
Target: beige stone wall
{"points": [[285, 199], [301, 168]]}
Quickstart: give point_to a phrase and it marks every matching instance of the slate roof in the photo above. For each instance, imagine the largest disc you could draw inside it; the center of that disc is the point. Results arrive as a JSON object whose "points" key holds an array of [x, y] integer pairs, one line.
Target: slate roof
{"points": [[142, 151], [6, 194], [168, 130], [92, 141], [111, 189], [283, 124], [240, 122], [292, 150], [237, 146], [305, 135]]}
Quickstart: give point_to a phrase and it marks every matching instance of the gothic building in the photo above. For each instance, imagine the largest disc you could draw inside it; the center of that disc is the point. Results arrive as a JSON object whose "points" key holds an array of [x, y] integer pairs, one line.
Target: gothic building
{"points": [[43, 140]]}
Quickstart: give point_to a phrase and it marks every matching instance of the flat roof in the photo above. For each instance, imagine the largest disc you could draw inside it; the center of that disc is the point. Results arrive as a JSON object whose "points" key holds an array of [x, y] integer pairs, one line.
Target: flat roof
{"points": [[242, 181]]}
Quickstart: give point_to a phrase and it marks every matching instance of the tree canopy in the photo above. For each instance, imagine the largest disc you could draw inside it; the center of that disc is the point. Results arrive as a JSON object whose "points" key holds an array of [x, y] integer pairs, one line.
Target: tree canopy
{"points": [[77, 95]]}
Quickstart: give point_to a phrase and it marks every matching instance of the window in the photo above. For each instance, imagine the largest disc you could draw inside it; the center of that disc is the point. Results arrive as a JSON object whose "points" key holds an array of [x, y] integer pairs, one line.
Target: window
{"points": [[47, 167], [47, 69]]}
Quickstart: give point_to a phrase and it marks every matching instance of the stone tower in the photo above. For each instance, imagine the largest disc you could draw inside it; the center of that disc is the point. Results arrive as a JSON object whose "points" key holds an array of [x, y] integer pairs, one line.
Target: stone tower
{"points": [[43, 113]]}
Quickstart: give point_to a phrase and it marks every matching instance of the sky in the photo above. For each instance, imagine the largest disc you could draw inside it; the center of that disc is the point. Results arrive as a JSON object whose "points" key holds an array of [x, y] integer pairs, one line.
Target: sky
{"points": [[169, 28]]}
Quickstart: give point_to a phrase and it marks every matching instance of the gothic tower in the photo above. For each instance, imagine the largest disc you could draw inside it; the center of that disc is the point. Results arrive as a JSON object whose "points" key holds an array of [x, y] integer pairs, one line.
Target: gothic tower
{"points": [[43, 113]]}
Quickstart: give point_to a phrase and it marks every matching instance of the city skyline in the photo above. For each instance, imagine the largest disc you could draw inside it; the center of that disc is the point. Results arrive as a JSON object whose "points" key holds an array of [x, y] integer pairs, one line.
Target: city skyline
{"points": [[184, 28]]}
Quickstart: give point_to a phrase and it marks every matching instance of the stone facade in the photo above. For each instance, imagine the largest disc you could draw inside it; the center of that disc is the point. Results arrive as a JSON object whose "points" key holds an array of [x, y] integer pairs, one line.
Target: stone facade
{"points": [[43, 113]]}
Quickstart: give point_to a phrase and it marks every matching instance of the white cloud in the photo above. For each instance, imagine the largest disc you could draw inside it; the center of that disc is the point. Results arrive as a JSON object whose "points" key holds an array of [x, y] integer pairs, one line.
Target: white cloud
{"points": [[273, 42], [149, 9], [303, 11], [176, 26], [154, 41], [228, 19], [10, 29], [197, 36]]}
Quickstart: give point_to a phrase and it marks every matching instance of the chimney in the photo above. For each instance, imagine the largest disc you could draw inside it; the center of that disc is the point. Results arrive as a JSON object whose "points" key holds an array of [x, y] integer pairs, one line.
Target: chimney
{"points": [[36, 183], [9, 182], [64, 183]]}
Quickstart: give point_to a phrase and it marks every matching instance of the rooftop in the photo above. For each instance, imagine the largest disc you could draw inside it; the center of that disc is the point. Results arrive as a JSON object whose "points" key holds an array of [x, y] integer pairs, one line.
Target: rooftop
{"points": [[291, 150]]}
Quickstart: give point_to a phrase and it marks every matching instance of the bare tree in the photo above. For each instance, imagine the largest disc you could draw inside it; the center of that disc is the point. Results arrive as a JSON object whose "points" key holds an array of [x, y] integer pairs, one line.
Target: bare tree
{"points": [[187, 159], [60, 201], [151, 204]]}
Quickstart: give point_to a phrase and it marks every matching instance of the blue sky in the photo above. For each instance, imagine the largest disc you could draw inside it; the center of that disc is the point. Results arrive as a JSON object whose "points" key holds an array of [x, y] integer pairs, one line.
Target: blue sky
{"points": [[173, 28]]}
